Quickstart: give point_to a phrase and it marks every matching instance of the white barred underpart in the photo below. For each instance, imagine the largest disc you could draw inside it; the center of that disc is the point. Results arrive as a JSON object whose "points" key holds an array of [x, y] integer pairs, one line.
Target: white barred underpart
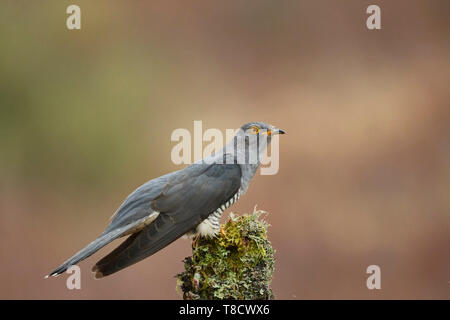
{"points": [[211, 226]]}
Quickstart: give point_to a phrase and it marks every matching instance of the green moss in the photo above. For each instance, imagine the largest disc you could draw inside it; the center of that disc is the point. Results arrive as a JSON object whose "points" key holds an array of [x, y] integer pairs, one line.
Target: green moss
{"points": [[236, 265]]}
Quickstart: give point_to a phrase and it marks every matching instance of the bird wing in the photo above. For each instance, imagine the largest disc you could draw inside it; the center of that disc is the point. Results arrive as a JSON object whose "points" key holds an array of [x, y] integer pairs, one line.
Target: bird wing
{"points": [[137, 205], [184, 202], [134, 214]]}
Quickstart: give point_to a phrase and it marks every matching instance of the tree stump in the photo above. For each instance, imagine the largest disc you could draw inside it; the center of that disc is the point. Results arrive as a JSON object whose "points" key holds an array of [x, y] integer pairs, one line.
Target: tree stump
{"points": [[237, 264]]}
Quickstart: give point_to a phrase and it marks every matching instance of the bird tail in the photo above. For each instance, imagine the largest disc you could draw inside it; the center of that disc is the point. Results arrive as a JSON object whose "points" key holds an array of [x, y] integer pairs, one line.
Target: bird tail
{"points": [[140, 245], [89, 250]]}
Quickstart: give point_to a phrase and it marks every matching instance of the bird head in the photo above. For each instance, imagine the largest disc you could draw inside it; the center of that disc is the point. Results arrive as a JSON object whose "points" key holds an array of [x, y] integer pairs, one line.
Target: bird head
{"points": [[253, 138], [260, 129]]}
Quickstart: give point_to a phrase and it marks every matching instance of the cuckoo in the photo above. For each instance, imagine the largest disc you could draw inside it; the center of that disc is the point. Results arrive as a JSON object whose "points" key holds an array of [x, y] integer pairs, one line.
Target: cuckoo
{"points": [[189, 201]]}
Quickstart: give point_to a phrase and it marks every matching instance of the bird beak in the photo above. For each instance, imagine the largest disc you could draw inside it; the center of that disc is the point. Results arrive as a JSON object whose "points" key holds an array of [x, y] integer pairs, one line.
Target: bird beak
{"points": [[278, 131]]}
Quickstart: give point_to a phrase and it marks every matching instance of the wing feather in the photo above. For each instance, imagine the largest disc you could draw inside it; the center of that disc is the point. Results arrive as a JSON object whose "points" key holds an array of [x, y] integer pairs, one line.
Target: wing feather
{"points": [[184, 202]]}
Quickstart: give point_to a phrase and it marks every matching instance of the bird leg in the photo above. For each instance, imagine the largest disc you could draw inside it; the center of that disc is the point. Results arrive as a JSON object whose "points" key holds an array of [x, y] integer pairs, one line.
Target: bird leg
{"points": [[194, 243], [222, 231]]}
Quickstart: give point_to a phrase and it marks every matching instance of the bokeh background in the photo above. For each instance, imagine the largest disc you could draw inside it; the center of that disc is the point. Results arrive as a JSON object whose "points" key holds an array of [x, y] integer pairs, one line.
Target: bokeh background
{"points": [[86, 117]]}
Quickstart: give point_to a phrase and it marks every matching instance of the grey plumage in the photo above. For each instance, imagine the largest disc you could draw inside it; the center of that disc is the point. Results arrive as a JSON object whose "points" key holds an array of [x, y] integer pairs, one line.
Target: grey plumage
{"points": [[190, 200]]}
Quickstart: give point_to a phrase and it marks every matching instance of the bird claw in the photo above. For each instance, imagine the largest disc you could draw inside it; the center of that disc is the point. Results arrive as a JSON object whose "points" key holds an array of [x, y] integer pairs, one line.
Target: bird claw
{"points": [[222, 231], [194, 243]]}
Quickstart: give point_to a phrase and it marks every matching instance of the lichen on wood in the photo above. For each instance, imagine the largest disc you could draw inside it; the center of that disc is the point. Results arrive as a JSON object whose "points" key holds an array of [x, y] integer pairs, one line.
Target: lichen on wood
{"points": [[236, 264]]}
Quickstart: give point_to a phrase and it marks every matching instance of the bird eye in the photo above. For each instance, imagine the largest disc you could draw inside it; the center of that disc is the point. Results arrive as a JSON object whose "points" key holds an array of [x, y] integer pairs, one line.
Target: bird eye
{"points": [[254, 130]]}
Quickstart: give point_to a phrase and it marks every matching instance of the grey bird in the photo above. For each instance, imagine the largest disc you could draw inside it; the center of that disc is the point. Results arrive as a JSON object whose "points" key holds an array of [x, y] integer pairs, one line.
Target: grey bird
{"points": [[188, 201]]}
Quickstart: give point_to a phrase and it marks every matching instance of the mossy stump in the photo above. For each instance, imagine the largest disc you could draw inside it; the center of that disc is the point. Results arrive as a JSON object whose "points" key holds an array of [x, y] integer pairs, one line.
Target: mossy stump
{"points": [[237, 264]]}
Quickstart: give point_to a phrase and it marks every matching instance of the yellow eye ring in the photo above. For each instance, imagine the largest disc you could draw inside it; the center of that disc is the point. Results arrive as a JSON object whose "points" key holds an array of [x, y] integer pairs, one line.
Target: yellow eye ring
{"points": [[254, 130]]}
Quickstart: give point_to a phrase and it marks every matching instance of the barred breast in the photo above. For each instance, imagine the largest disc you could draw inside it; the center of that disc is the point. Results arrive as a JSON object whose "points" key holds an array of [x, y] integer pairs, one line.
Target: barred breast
{"points": [[211, 226]]}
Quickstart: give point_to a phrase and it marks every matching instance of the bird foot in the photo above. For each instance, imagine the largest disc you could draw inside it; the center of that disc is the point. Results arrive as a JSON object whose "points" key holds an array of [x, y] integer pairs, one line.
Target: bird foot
{"points": [[222, 231], [194, 243]]}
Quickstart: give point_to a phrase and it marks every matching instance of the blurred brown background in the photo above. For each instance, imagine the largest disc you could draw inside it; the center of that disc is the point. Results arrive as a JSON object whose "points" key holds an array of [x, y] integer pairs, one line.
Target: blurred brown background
{"points": [[86, 116]]}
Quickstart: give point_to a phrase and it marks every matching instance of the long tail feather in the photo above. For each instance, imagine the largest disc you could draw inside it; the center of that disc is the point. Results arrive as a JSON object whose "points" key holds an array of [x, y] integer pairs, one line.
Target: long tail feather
{"points": [[140, 245], [89, 250]]}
